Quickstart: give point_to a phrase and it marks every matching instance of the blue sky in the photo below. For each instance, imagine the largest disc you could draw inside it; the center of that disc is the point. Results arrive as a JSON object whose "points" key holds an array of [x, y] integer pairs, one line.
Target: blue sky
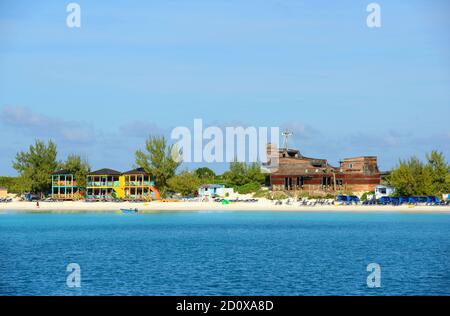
{"points": [[141, 67]]}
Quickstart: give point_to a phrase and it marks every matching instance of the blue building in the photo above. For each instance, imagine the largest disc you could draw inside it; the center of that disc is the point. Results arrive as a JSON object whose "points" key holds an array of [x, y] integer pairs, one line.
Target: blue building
{"points": [[210, 189]]}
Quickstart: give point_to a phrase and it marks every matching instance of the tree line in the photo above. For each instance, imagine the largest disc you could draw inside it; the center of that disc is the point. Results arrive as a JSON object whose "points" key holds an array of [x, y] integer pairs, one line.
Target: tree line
{"points": [[36, 165], [160, 160], [411, 177]]}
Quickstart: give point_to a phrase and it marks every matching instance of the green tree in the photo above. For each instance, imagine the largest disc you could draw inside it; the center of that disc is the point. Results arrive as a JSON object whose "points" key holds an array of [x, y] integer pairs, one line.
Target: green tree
{"points": [[410, 178], [413, 177], [241, 173], [36, 166], [236, 175], [186, 183], [254, 174], [14, 184], [160, 160], [205, 174], [8, 182], [79, 167], [440, 172]]}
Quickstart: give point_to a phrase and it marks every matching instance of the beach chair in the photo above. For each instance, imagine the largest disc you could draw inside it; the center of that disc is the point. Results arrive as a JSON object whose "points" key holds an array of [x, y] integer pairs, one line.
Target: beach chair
{"points": [[385, 200], [433, 200], [353, 199], [395, 201], [422, 199]]}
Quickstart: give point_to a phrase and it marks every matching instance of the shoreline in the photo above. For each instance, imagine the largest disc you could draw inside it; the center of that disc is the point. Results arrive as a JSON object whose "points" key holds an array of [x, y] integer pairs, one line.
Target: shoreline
{"points": [[157, 207]]}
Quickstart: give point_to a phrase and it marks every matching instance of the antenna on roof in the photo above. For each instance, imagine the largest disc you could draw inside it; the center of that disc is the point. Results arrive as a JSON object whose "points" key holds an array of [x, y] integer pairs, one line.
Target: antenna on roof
{"points": [[286, 135]]}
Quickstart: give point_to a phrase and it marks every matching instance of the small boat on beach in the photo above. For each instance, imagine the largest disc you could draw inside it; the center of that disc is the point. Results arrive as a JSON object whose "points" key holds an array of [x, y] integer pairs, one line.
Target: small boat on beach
{"points": [[129, 210]]}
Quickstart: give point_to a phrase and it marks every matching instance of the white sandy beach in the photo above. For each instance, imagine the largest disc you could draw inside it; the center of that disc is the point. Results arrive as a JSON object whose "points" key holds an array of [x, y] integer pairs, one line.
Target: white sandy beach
{"points": [[262, 205]]}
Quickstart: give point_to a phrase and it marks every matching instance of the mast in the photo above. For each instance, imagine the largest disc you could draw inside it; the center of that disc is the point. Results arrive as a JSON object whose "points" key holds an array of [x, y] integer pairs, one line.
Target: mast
{"points": [[286, 135]]}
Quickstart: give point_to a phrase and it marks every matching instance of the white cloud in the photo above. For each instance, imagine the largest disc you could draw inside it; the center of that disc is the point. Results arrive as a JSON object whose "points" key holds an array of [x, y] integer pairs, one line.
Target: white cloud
{"points": [[26, 121], [140, 129]]}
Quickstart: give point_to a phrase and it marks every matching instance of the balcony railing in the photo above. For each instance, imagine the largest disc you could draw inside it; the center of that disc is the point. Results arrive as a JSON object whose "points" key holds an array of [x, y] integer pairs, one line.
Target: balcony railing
{"points": [[139, 183], [64, 184], [139, 197], [103, 184], [64, 196], [99, 197]]}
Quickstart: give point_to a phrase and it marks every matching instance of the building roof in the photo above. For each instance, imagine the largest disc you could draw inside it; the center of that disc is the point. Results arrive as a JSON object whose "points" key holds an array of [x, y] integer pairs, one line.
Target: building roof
{"points": [[212, 186], [361, 158], [300, 169], [290, 151], [3, 188], [385, 186], [137, 171], [295, 154], [63, 171], [105, 171]]}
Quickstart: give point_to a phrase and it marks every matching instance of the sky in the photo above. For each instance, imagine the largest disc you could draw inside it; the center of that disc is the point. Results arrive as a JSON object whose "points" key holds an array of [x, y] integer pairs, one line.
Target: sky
{"points": [[140, 68]]}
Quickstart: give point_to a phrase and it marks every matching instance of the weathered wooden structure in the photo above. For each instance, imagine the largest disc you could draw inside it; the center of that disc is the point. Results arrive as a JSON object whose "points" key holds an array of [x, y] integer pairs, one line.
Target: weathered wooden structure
{"points": [[297, 172]]}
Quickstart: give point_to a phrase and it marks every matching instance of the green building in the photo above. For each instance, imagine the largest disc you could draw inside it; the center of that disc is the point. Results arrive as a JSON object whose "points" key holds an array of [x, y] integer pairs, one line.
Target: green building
{"points": [[64, 186]]}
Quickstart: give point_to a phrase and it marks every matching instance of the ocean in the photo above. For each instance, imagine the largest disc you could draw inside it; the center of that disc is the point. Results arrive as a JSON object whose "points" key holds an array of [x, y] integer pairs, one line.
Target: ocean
{"points": [[230, 253]]}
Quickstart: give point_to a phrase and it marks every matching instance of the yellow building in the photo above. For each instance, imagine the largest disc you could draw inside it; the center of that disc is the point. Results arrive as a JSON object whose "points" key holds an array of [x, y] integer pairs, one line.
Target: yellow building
{"points": [[139, 185], [108, 184], [3, 192]]}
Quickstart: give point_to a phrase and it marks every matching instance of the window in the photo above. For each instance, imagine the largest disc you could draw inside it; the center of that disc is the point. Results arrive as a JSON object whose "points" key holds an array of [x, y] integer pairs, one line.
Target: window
{"points": [[350, 165], [326, 181], [366, 169]]}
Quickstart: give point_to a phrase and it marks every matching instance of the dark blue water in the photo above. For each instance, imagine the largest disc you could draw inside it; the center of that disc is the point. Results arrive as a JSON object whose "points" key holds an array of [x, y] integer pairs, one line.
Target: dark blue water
{"points": [[225, 253]]}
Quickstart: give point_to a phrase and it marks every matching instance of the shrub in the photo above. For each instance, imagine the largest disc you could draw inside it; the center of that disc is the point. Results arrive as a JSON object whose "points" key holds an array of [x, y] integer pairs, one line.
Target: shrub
{"points": [[302, 194], [248, 188], [261, 193], [279, 196], [365, 194]]}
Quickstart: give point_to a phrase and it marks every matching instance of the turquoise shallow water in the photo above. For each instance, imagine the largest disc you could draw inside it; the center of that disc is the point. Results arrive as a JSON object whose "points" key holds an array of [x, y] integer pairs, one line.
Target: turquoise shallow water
{"points": [[225, 253]]}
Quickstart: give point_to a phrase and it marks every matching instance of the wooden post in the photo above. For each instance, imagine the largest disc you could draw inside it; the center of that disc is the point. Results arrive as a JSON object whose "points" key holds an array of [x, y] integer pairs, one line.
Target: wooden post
{"points": [[334, 181]]}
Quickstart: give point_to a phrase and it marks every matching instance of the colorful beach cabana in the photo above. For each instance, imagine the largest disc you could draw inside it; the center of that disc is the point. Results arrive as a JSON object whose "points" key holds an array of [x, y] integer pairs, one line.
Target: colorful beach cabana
{"points": [[64, 186], [139, 185], [103, 184]]}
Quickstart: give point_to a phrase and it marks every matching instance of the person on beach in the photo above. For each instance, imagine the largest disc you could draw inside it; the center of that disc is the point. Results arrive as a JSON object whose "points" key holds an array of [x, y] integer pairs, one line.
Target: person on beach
{"points": [[37, 204]]}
